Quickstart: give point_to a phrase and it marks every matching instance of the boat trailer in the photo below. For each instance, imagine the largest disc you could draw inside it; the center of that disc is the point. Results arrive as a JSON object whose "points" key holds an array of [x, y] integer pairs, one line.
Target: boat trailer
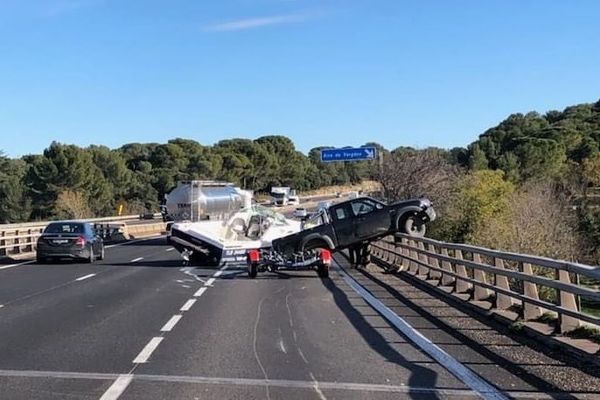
{"points": [[263, 260]]}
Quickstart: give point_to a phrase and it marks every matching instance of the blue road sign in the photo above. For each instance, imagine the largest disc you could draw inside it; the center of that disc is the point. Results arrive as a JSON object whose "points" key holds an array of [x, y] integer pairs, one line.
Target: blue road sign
{"points": [[355, 154]]}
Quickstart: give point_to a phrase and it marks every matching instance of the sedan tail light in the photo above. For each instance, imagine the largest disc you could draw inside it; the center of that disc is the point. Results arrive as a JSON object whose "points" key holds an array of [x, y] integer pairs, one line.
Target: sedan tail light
{"points": [[80, 241]]}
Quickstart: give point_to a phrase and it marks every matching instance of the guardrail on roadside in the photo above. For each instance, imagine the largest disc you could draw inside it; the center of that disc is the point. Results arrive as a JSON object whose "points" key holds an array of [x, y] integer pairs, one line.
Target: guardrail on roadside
{"points": [[18, 239], [505, 281]]}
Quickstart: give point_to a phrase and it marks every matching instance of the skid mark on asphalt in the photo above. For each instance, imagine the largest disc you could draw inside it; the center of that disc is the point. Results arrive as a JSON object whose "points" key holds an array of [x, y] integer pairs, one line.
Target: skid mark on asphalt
{"points": [[260, 365]]}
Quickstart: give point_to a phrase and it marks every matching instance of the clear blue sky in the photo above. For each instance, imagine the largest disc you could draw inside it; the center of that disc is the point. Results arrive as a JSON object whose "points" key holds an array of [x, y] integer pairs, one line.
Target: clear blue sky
{"points": [[321, 72]]}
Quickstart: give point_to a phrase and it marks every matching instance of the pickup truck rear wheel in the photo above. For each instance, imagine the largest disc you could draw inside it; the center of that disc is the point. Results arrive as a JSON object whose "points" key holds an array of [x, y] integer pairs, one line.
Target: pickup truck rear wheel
{"points": [[412, 225]]}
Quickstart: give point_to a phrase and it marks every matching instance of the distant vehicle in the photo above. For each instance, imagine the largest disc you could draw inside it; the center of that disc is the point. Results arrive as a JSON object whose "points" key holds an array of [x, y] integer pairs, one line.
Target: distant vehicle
{"points": [[280, 195], [356, 221], [69, 239], [293, 198], [300, 212]]}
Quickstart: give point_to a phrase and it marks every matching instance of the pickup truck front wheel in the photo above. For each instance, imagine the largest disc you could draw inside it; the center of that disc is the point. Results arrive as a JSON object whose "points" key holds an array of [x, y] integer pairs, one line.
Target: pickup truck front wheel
{"points": [[412, 225]]}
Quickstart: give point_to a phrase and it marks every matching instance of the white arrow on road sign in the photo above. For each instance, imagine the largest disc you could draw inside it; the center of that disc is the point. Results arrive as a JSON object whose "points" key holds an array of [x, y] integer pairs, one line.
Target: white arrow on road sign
{"points": [[370, 153]]}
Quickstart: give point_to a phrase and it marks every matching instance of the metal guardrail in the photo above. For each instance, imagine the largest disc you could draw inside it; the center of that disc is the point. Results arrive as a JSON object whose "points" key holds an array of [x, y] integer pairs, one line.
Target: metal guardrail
{"points": [[529, 284], [16, 239]]}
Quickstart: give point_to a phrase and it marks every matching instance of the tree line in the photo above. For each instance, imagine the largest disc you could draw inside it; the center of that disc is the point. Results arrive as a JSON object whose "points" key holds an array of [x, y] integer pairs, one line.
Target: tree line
{"points": [[67, 181]]}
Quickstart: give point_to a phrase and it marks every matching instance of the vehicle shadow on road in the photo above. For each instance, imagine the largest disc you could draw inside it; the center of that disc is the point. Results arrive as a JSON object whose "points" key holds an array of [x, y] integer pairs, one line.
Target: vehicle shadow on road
{"points": [[482, 348], [420, 377]]}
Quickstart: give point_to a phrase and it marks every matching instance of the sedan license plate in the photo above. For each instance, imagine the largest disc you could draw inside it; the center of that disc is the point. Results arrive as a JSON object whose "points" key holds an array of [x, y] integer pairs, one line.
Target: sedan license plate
{"points": [[60, 241]]}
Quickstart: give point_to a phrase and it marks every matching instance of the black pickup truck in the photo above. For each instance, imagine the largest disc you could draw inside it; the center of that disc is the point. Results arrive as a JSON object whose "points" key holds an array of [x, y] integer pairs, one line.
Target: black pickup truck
{"points": [[356, 221]]}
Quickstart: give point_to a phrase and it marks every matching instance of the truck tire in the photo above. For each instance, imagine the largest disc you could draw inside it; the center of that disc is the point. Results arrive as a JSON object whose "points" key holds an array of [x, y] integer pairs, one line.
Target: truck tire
{"points": [[252, 270], [412, 225]]}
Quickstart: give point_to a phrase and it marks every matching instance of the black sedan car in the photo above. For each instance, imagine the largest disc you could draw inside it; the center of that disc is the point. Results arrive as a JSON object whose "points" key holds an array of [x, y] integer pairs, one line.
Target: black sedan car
{"points": [[69, 239]]}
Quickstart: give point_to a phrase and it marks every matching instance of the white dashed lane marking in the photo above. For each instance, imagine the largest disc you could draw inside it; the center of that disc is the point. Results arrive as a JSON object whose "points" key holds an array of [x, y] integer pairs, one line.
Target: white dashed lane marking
{"points": [[81, 278], [210, 282], [148, 350], [200, 291], [137, 259], [188, 304], [117, 388], [170, 323]]}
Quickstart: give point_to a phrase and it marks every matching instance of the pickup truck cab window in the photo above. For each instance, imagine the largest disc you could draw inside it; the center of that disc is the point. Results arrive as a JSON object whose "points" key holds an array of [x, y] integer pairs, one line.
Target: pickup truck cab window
{"points": [[365, 206]]}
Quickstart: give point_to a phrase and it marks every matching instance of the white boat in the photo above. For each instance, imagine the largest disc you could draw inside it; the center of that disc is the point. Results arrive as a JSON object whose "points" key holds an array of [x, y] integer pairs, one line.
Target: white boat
{"points": [[216, 242]]}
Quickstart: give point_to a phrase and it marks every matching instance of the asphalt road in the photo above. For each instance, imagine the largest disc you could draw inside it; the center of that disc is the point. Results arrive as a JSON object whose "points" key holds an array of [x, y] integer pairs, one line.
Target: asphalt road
{"points": [[139, 325]]}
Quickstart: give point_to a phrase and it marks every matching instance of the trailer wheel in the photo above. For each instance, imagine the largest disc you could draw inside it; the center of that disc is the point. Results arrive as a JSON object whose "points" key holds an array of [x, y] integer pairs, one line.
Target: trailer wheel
{"points": [[323, 270], [252, 270]]}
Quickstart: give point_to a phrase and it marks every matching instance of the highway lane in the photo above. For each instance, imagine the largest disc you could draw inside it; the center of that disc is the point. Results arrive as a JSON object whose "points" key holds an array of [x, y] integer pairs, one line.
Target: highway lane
{"points": [[153, 329]]}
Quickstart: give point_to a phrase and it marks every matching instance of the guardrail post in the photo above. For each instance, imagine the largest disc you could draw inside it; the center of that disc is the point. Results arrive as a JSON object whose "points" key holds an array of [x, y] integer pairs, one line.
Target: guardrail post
{"points": [[530, 311], [405, 254], [479, 293], [447, 280], [388, 256], [502, 301], [16, 242], [423, 270], [566, 300], [460, 285], [2, 243], [400, 260], [413, 266], [29, 241], [434, 262]]}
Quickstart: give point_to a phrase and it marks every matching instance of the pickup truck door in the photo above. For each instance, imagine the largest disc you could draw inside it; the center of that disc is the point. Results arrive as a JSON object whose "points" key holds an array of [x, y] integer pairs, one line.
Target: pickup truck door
{"points": [[343, 224], [371, 218]]}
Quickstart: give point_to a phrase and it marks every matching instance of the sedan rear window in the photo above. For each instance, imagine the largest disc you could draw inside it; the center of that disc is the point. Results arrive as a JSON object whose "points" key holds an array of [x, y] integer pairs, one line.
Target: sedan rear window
{"points": [[64, 228]]}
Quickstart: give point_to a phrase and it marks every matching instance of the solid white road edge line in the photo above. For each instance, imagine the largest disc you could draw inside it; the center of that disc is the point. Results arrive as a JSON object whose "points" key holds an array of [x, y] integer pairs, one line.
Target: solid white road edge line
{"points": [[148, 350], [137, 259], [15, 265], [117, 388], [170, 323], [81, 278], [464, 374], [209, 282], [200, 291], [186, 307]]}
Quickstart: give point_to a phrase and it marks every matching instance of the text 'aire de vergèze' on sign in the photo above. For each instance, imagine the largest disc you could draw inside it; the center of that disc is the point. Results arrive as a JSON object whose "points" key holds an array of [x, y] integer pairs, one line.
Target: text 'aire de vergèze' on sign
{"points": [[356, 154]]}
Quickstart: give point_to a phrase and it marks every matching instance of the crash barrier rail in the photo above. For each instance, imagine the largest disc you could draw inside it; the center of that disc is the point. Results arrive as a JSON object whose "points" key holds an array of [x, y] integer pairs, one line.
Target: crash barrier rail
{"points": [[17, 239], [529, 285]]}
